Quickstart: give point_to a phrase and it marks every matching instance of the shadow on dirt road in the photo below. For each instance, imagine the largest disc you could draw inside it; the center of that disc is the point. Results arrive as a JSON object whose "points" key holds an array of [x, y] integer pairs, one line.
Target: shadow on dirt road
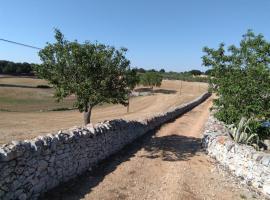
{"points": [[168, 148]]}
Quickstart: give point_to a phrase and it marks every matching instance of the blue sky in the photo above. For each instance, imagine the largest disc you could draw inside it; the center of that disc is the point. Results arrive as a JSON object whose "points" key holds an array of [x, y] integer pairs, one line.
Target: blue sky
{"points": [[166, 34]]}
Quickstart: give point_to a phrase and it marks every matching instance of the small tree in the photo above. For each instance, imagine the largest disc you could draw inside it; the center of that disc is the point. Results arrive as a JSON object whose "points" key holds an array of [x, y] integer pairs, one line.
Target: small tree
{"points": [[151, 79], [241, 78], [95, 73]]}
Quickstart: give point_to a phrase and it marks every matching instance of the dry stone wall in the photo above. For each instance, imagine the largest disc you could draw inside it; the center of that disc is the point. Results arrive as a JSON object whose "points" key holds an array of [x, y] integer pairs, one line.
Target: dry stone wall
{"points": [[252, 166], [31, 167]]}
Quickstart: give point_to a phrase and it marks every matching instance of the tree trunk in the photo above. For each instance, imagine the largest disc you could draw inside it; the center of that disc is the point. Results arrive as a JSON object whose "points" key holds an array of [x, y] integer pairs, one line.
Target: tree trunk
{"points": [[87, 115]]}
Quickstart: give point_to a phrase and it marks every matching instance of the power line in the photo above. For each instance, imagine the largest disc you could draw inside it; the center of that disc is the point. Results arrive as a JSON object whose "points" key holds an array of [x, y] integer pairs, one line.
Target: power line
{"points": [[25, 45]]}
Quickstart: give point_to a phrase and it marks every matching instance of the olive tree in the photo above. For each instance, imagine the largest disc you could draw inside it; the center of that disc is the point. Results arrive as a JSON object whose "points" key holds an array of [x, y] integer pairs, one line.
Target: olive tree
{"points": [[93, 72]]}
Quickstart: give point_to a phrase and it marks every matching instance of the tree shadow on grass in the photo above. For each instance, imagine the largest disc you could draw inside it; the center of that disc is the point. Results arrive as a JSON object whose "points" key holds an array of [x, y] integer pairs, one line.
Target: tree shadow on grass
{"points": [[160, 90], [168, 148], [24, 86]]}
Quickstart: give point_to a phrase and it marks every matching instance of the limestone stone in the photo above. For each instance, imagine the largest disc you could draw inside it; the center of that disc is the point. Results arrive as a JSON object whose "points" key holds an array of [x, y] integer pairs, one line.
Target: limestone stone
{"points": [[23, 196], [265, 160], [242, 160], [2, 193]]}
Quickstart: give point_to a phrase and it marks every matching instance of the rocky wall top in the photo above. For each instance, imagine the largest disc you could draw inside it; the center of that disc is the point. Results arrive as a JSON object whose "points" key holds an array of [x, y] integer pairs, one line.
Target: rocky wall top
{"points": [[242, 160]]}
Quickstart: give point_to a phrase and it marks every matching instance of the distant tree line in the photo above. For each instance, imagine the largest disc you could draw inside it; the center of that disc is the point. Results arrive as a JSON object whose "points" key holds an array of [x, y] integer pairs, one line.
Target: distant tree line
{"points": [[184, 76], [8, 67], [151, 79], [192, 75], [152, 75]]}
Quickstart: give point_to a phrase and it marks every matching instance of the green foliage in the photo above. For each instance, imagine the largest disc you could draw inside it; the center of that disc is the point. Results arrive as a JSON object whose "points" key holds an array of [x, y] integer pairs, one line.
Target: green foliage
{"points": [[244, 132], [184, 76], [151, 79], [162, 70], [94, 72], [8, 67], [140, 70], [208, 72], [191, 76], [195, 72], [132, 78], [241, 78]]}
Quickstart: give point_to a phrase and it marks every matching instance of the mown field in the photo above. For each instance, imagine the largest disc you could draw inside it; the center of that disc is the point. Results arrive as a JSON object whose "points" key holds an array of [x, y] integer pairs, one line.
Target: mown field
{"points": [[26, 111], [22, 94]]}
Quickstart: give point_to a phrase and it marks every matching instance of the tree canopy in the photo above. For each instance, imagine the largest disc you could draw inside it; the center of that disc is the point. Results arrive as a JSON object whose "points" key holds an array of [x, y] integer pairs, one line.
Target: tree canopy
{"points": [[8, 67], [93, 72], [195, 72], [208, 72], [162, 71], [241, 76]]}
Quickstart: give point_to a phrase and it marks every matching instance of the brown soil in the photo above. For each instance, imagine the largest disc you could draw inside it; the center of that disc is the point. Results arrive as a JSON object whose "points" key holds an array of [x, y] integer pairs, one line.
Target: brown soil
{"points": [[167, 164], [26, 125]]}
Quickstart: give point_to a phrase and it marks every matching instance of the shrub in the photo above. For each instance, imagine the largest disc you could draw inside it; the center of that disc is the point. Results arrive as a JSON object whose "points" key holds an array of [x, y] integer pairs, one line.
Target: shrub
{"points": [[241, 76], [243, 132]]}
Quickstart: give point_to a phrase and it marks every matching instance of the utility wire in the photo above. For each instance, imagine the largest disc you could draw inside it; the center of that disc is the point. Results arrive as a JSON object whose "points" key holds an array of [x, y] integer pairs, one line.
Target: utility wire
{"points": [[25, 45]]}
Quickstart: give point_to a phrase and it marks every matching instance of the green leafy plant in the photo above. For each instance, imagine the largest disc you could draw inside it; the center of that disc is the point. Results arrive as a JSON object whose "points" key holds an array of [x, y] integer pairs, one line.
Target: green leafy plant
{"points": [[243, 133], [240, 76]]}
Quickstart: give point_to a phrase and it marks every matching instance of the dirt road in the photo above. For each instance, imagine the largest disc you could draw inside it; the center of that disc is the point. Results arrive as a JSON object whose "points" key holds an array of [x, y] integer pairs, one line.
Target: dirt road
{"points": [[168, 164]]}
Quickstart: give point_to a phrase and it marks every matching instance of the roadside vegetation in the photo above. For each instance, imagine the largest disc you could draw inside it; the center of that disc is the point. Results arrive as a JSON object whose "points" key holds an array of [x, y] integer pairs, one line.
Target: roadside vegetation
{"points": [[240, 76]]}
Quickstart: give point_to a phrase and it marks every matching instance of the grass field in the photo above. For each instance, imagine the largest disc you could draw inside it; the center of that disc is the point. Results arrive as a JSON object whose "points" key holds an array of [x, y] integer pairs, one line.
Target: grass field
{"points": [[21, 95]]}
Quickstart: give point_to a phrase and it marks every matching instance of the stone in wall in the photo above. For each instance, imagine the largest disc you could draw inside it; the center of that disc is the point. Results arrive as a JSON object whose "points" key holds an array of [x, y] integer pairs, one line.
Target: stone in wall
{"points": [[242, 160]]}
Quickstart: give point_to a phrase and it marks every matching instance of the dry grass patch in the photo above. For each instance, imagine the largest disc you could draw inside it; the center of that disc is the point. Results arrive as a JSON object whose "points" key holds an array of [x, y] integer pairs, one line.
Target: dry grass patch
{"points": [[21, 94], [29, 123]]}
